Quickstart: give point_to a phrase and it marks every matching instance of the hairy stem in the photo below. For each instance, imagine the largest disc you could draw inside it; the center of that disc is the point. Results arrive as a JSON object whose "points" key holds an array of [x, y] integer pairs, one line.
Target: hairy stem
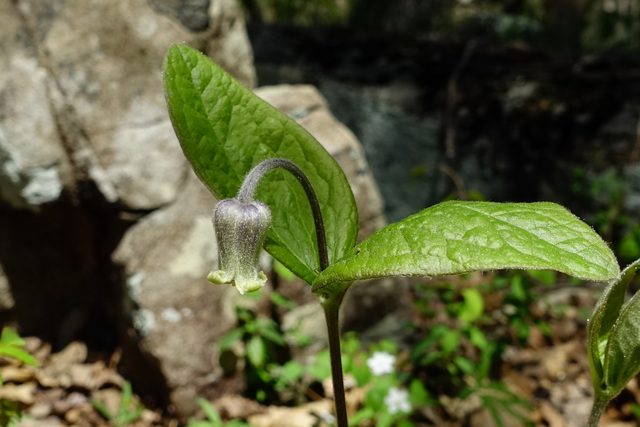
{"points": [[599, 405], [250, 185], [331, 307]]}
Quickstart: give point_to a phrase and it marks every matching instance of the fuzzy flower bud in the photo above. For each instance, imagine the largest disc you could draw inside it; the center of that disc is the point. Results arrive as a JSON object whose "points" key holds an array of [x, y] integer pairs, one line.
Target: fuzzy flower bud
{"points": [[241, 229]]}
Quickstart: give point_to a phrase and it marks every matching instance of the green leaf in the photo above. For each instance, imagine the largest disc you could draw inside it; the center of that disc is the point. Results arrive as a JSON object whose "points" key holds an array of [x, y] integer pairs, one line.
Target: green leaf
{"points": [[418, 394], [18, 354], [459, 237], [225, 130], [614, 340], [283, 271], [102, 409], [10, 337], [473, 305], [210, 412], [271, 333], [256, 351], [450, 341], [282, 301], [622, 354], [127, 393], [464, 364], [229, 338], [364, 414], [604, 316], [320, 370], [10, 343]]}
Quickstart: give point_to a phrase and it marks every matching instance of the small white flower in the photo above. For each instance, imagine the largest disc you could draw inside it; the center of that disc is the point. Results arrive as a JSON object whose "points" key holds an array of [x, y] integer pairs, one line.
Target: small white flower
{"points": [[397, 401], [328, 418], [381, 363]]}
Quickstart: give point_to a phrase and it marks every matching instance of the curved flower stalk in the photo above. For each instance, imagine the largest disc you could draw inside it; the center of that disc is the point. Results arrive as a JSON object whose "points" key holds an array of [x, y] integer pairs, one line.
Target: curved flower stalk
{"points": [[241, 229], [241, 226]]}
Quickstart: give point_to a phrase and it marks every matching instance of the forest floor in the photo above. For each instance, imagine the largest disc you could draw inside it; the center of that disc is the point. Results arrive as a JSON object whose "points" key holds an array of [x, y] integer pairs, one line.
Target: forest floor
{"points": [[551, 371]]}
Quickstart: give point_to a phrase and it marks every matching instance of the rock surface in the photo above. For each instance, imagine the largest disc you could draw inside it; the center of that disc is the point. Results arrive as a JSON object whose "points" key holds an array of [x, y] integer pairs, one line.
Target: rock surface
{"points": [[175, 311], [83, 95], [33, 163], [86, 146]]}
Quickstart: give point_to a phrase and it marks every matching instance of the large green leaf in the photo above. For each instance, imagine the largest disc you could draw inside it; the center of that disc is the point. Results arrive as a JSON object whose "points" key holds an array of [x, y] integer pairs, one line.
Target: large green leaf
{"points": [[225, 130], [458, 237]]}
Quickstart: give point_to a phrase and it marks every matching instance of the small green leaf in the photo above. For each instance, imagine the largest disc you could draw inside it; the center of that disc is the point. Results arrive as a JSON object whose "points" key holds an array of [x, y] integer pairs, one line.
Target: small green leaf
{"points": [[478, 338], [418, 394], [281, 301], [364, 414], [127, 392], [225, 130], [464, 364], [210, 412], [320, 370], [459, 237], [229, 338], [272, 334], [256, 351], [11, 338], [102, 409], [18, 354], [473, 305], [10, 343], [450, 341]]}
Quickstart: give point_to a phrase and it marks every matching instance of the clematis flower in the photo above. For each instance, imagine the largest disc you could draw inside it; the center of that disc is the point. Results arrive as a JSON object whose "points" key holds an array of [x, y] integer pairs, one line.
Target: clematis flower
{"points": [[241, 229]]}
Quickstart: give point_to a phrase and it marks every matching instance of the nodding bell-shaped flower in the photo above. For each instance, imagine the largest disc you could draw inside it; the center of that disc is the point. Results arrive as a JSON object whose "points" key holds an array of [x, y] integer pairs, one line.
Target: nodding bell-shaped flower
{"points": [[241, 229]]}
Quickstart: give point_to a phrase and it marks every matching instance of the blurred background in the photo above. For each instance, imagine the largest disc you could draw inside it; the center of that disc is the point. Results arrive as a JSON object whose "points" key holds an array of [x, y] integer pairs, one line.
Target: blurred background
{"points": [[106, 240]]}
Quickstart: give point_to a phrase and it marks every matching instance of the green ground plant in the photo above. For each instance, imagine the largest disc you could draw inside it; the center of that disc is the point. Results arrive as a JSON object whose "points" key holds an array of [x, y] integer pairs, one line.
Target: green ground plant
{"points": [[281, 190], [213, 418], [457, 355], [263, 346], [11, 346], [129, 409]]}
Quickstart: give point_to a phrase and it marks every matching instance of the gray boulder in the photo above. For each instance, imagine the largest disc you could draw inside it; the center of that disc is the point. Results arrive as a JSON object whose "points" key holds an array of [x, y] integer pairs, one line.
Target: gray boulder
{"points": [[33, 163], [86, 146]]}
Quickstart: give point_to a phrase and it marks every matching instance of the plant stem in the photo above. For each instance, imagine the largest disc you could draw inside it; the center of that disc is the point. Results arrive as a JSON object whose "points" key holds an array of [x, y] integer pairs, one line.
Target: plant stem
{"points": [[600, 402], [332, 316], [250, 185]]}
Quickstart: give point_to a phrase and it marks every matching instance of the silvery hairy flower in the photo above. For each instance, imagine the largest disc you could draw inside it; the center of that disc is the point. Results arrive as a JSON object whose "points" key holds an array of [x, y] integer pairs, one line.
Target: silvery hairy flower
{"points": [[241, 229]]}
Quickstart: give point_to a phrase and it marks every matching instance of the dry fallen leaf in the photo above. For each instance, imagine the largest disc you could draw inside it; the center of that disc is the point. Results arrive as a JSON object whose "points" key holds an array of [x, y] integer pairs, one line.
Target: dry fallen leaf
{"points": [[21, 393], [309, 415], [17, 374]]}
